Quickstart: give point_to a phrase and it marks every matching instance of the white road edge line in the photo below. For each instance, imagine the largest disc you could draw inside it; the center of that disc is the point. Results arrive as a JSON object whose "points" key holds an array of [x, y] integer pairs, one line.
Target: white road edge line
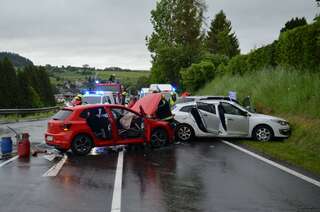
{"points": [[8, 161], [116, 196], [55, 169], [272, 163]]}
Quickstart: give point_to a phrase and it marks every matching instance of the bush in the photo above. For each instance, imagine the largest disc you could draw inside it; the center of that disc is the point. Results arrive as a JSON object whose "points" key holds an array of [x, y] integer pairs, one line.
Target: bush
{"points": [[197, 75], [237, 65], [300, 47]]}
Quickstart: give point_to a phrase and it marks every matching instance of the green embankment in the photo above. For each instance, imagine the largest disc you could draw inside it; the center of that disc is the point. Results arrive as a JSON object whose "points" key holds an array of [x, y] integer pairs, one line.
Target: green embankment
{"points": [[122, 75], [293, 95]]}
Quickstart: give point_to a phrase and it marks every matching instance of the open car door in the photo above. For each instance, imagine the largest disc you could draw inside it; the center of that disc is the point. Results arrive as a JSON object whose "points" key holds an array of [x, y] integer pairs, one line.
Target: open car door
{"points": [[209, 117]]}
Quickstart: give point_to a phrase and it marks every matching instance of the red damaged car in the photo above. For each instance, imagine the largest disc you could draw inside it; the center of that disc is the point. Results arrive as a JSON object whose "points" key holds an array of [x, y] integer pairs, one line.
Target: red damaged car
{"points": [[83, 127]]}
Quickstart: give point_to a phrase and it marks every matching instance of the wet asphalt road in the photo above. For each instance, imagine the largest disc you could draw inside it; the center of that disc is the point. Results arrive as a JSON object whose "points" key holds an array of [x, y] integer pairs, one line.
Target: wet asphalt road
{"points": [[36, 130], [206, 175]]}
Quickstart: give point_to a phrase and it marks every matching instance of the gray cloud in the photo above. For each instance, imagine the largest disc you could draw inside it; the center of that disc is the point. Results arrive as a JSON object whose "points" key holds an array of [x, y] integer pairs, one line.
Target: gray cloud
{"points": [[112, 32]]}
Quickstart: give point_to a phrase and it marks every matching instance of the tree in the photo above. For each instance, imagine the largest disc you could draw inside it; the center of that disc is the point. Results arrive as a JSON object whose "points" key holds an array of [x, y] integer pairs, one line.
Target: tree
{"points": [[220, 39], [293, 23], [25, 90], [176, 40], [11, 93]]}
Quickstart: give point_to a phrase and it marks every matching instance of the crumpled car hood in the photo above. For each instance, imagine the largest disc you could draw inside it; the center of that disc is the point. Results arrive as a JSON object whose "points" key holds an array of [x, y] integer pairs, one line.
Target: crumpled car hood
{"points": [[149, 103]]}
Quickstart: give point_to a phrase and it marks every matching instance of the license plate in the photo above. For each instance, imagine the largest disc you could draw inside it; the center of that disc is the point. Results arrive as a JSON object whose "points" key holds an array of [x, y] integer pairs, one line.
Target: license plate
{"points": [[49, 138]]}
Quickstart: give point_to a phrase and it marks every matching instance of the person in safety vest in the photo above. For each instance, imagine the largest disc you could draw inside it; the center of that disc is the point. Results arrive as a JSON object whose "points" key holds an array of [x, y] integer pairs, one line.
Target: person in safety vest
{"points": [[123, 97], [164, 110], [77, 100], [173, 99]]}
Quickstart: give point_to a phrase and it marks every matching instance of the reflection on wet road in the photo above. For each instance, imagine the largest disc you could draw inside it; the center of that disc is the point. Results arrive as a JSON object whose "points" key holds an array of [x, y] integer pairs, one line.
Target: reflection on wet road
{"points": [[211, 177], [84, 184], [200, 176]]}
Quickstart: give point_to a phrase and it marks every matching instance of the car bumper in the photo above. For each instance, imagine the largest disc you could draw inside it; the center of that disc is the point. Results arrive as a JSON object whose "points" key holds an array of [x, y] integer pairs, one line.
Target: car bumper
{"points": [[62, 141], [282, 132], [285, 132]]}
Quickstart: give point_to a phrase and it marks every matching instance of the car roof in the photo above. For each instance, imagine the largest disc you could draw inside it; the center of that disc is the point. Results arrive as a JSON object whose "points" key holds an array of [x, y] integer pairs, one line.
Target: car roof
{"points": [[211, 101], [88, 95], [89, 106], [196, 98]]}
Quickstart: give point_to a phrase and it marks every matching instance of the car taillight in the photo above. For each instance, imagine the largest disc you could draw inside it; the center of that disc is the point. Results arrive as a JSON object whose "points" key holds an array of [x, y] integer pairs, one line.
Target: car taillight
{"points": [[66, 127]]}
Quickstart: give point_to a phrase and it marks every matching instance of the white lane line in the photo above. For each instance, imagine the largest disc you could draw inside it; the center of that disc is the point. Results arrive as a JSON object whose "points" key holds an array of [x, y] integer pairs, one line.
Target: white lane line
{"points": [[116, 196], [55, 169], [8, 161], [272, 163]]}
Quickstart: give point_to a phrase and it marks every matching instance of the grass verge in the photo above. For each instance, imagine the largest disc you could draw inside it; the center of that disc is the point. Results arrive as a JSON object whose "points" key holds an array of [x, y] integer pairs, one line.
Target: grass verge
{"points": [[291, 94]]}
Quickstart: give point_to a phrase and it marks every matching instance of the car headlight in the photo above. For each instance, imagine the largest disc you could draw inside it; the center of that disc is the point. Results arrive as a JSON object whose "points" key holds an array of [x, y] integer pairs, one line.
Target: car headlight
{"points": [[281, 122]]}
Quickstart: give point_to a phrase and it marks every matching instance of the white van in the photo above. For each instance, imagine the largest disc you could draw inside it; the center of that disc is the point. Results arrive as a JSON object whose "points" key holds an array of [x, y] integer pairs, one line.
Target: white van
{"points": [[99, 98]]}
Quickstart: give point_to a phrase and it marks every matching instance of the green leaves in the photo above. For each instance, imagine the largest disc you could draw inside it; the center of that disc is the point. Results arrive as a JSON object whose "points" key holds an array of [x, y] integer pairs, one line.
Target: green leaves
{"points": [[176, 39], [27, 88], [220, 39]]}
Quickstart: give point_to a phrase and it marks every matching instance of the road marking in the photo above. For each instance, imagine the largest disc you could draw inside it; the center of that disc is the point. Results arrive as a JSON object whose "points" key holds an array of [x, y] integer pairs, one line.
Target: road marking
{"points": [[55, 169], [272, 163], [8, 161], [116, 196]]}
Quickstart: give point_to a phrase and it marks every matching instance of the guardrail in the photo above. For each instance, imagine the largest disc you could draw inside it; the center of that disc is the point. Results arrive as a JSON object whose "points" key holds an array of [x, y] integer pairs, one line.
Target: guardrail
{"points": [[27, 110]]}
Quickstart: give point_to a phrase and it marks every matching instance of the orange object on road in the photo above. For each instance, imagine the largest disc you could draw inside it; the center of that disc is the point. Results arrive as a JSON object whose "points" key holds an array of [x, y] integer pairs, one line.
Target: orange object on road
{"points": [[24, 145]]}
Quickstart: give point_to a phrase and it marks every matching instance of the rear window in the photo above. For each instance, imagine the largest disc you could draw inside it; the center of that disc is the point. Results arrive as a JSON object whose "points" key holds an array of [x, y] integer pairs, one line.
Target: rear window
{"points": [[62, 115]]}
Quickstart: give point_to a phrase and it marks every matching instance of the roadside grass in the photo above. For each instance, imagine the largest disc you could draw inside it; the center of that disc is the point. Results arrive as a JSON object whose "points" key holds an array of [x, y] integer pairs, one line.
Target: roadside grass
{"points": [[17, 118], [291, 94]]}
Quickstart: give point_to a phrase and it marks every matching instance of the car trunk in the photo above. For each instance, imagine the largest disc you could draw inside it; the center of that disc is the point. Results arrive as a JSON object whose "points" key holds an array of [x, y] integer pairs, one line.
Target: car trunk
{"points": [[57, 123]]}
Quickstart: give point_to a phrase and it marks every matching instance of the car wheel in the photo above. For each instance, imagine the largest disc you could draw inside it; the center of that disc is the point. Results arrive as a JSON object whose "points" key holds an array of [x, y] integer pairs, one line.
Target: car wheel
{"points": [[184, 133], [263, 133], [159, 138], [81, 144]]}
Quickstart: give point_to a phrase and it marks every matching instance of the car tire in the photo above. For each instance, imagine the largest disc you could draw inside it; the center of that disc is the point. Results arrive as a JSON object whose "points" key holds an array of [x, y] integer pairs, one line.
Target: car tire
{"points": [[262, 133], [81, 145], [159, 138], [184, 133]]}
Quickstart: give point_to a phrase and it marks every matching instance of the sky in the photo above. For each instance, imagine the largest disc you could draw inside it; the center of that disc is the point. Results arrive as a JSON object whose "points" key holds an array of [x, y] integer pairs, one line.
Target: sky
{"points": [[111, 33]]}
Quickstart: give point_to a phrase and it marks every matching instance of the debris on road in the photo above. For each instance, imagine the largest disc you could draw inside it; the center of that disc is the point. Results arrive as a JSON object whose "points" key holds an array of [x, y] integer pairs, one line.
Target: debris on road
{"points": [[52, 157]]}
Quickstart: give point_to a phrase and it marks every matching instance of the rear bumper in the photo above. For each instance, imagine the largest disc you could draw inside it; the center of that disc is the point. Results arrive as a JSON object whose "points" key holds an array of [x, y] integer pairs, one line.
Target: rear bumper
{"points": [[62, 140]]}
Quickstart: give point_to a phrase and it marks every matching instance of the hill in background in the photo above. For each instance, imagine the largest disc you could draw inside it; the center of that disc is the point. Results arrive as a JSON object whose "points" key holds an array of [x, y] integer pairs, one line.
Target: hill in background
{"points": [[17, 60]]}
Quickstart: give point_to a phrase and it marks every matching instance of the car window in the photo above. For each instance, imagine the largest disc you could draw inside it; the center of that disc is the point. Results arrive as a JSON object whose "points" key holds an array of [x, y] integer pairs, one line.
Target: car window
{"points": [[92, 99], [206, 107], [98, 111], [230, 109], [187, 109], [106, 99], [62, 115]]}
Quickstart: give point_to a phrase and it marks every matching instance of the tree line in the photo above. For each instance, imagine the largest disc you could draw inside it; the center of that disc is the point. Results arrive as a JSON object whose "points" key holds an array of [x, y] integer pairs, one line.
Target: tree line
{"points": [[187, 55], [179, 40], [28, 87], [297, 47]]}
